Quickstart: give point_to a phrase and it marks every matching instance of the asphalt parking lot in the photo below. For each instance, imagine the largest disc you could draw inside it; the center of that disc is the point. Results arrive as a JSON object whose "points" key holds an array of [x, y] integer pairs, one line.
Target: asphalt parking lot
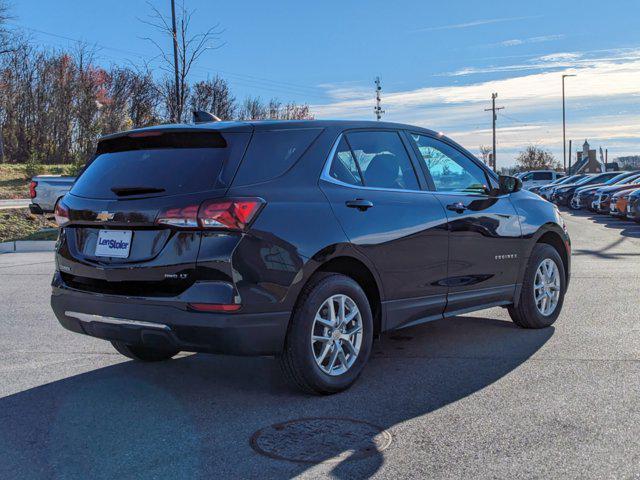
{"points": [[470, 397]]}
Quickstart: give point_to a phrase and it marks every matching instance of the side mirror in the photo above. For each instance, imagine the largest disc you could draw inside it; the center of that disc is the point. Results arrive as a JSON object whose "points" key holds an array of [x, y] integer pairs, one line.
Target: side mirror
{"points": [[508, 184]]}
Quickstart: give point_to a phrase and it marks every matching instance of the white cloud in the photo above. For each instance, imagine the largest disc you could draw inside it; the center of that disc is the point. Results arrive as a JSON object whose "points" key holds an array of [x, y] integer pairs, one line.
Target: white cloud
{"points": [[560, 57], [474, 23], [605, 85], [554, 61], [522, 41], [345, 90]]}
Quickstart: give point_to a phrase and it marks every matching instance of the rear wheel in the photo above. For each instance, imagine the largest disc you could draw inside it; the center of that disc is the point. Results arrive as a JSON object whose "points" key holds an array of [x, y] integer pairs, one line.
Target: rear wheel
{"points": [[330, 335], [543, 289], [142, 353]]}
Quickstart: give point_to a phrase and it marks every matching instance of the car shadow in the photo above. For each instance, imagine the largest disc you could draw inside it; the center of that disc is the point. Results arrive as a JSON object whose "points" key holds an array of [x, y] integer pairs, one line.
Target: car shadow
{"points": [[192, 417]]}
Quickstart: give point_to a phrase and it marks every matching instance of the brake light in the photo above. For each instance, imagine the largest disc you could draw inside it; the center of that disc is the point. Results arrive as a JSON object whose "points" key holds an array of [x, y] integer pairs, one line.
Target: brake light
{"points": [[32, 189], [148, 133], [61, 213], [186, 217], [231, 214]]}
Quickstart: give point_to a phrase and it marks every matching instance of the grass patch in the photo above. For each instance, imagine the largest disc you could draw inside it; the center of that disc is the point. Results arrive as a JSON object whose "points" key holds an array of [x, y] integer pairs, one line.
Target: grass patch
{"points": [[20, 224], [14, 179]]}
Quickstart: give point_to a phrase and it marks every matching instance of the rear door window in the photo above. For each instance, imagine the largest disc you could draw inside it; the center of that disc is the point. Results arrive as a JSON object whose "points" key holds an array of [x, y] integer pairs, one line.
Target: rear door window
{"points": [[160, 165], [383, 160], [344, 167], [272, 153]]}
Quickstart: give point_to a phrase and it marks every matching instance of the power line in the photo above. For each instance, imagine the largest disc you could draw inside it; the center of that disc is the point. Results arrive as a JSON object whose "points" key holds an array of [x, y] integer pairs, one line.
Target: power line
{"points": [[526, 124], [252, 81]]}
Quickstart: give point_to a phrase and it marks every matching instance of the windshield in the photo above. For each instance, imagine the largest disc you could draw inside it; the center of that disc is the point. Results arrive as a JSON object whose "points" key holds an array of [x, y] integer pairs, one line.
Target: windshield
{"points": [[619, 178], [584, 180], [563, 180]]}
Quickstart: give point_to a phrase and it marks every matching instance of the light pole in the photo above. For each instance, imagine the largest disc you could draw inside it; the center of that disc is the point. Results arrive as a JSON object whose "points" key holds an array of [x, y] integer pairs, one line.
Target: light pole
{"points": [[564, 134]]}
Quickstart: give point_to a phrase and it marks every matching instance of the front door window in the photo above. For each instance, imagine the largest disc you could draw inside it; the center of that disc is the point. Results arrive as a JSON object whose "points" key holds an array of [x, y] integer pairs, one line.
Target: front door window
{"points": [[450, 170]]}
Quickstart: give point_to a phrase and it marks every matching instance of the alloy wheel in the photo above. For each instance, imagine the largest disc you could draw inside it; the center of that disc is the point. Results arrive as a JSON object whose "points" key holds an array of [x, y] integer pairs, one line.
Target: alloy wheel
{"points": [[546, 287], [336, 335]]}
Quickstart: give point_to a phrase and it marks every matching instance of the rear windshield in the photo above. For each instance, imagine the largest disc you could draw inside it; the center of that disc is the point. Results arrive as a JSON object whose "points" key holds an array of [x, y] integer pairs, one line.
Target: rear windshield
{"points": [[161, 165]]}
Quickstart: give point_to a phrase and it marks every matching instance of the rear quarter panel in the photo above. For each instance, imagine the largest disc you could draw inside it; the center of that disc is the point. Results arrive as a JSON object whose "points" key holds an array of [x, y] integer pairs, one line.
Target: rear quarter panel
{"points": [[293, 235]]}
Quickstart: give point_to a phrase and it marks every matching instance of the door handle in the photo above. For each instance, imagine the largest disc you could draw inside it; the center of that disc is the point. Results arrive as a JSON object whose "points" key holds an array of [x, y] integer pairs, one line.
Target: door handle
{"points": [[458, 207], [359, 203]]}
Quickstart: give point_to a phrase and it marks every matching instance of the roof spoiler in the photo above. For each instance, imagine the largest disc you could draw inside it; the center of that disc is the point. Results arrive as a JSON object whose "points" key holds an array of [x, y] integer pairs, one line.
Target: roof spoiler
{"points": [[200, 116]]}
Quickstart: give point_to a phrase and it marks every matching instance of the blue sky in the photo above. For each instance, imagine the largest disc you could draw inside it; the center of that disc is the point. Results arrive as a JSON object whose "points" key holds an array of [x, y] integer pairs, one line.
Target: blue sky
{"points": [[439, 61]]}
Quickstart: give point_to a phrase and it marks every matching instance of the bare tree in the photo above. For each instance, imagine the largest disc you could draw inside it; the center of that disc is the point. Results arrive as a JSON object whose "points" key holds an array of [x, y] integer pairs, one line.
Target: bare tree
{"points": [[5, 34], [214, 96], [275, 107], [536, 158], [294, 111], [485, 154], [143, 98], [253, 109], [190, 49], [289, 111]]}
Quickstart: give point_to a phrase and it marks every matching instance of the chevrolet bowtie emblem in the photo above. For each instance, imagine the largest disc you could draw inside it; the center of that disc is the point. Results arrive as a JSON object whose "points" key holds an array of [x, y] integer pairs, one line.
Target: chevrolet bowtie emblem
{"points": [[104, 216]]}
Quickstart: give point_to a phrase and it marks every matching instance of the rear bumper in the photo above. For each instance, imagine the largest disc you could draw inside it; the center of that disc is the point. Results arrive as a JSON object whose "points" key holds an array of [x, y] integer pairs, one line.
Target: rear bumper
{"points": [[142, 321]]}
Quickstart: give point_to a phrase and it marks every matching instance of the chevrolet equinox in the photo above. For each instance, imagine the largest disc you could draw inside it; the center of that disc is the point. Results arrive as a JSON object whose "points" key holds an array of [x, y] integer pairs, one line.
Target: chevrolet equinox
{"points": [[298, 239]]}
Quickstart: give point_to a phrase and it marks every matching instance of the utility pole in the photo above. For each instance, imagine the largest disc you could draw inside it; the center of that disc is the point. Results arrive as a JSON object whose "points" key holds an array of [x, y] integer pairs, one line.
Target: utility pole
{"points": [[564, 141], [569, 157], [175, 59], [495, 117], [378, 109]]}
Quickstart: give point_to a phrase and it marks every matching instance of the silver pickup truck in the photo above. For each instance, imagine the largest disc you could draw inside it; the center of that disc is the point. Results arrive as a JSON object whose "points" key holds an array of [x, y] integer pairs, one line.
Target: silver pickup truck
{"points": [[46, 190]]}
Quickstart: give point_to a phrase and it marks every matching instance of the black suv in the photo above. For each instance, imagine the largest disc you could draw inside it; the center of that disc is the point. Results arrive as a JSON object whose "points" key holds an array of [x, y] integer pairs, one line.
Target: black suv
{"points": [[300, 239]]}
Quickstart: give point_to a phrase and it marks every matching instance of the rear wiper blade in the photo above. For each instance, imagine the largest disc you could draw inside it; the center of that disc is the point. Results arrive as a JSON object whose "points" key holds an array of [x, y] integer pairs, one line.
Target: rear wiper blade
{"points": [[124, 191]]}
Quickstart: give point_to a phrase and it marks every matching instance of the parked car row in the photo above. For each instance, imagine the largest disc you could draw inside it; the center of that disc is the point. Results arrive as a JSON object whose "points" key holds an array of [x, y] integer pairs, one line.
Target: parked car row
{"points": [[538, 178], [613, 193]]}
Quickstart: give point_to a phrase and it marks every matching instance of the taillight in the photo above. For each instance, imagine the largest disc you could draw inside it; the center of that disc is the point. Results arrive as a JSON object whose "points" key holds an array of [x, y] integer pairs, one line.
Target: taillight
{"points": [[186, 217], [62, 214], [231, 214], [32, 189]]}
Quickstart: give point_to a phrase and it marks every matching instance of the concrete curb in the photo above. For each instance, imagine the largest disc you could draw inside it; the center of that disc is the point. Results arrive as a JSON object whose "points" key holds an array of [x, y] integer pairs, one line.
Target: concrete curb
{"points": [[10, 204], [28, 246]]}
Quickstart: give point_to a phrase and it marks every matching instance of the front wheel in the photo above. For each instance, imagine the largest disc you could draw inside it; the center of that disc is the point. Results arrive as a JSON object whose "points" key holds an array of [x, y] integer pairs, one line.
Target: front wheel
{"points": [[330, 335], [543, 289]]}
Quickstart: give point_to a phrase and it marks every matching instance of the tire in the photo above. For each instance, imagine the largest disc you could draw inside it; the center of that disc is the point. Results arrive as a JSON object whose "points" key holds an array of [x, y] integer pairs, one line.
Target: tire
{"points": [[144, 354], [527, 314], [299, 359]]}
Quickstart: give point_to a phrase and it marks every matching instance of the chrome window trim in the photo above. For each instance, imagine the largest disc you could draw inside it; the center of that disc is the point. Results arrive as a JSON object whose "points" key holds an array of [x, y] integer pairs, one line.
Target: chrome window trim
{"points": [[325, 175]]}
